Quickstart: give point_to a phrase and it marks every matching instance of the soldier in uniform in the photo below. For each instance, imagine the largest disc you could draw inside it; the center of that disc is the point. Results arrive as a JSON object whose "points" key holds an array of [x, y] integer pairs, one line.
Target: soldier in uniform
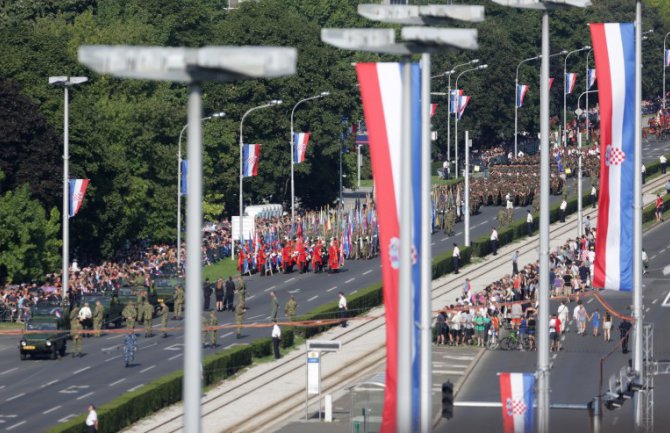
{"points": [[239, 315], [98, 317], [130, 315], [290, 308], [241, 292], [178, 301], [211, 333], [75, 331], [74, 314], [275, 305], [148, 315], [164, 312], [129, 347]]}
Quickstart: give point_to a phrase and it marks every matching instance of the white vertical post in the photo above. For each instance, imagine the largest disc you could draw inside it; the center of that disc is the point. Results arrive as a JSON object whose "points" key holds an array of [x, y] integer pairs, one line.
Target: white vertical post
{"points": [[426, 388], [580, 212], [466, 174], [638, 364], [458, 102], [543, 297], [405, 322], [66, 195], [588, 55], [192, 333], [516, 112], [449, 123], [358, 164], [292, 145]]}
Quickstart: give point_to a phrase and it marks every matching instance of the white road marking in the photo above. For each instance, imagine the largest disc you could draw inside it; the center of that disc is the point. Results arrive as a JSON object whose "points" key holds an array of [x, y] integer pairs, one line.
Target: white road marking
{"points": [[269, 288], [331, 289], [289, 280], [117, 382], [67, 417], [9, 371], [451, 372], [88, 394], [251, 297], [174, 357], [459, 358], [589, 301], [5, 348], [312, 298], [653, 257], [432, 243], [81, 369], [354, 292], [255, 317], [666, 301], [349, 280], [148, 345], [51, 410], [49, 383], [654, 301], [113, 337], [147, 369], [663, 250], [370, 270], [449, 365], [16, 425], [136, 387], [294, 291], [226, 334], [16, 396]]}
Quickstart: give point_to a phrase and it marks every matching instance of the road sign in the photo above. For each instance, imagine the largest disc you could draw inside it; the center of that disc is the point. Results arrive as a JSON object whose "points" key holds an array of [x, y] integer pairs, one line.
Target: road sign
{"points": [[313, 373]]}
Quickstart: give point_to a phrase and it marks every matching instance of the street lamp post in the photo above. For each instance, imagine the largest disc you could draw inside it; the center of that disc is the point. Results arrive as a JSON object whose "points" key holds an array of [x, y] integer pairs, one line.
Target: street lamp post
{"points": [[665, 55], [580, 211], [588, 120], [477, 68], [516, 103], [66, 82], [179, 186], [565, 91], [448, 74], [272, 103], [321, 95], [193, 66]]}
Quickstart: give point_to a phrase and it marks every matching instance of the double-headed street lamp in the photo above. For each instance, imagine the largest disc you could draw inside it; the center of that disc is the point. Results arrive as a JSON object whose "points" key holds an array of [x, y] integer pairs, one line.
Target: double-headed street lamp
{"points": [[565, 91], [458, 107], [66, 82], [272, 103], [516, 102], [193, 66], [291, 145], [179, 184], [578, 112]]}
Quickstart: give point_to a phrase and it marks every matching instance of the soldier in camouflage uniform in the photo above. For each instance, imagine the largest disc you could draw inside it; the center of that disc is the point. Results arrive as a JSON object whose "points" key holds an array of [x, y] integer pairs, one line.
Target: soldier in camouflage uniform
{"points": [[211, 334], [178, 302], [129, 315], [164, 312], [129, 347], [241, 292], [98, 317], [148, 315], [290, 308], [75, 332], [239, 315]]}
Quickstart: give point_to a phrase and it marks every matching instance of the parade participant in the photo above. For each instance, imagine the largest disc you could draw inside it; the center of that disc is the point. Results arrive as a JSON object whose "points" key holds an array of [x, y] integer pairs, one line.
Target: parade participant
{"points": [[147, 315], [290, 308], [75, 331], [211, 323], [241, 261], [129, 315], [275, 305], [241, 292], [178, 302], [302, 257], [287, 258], [164, 312], [229, 295], [98, 317], [317, 259], [260, 263], [239, 316], [129, 348], [333, 256]]}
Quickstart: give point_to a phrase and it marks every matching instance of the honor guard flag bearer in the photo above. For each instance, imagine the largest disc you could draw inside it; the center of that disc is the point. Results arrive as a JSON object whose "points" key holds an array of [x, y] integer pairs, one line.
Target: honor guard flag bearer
{"points": [[614, 52], [77, 191], [300, 141], [516, 396], [381, 87], [252, 153]]}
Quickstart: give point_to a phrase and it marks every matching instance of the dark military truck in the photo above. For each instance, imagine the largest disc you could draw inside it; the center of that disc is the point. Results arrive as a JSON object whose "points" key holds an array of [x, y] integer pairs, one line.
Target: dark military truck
{"points": [[47, 337], [164, 288]]}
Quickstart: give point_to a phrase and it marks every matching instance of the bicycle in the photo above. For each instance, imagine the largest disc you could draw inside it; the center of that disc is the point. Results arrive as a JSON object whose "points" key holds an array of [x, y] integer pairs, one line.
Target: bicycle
{"points": [[492, 342], [515, 342]]}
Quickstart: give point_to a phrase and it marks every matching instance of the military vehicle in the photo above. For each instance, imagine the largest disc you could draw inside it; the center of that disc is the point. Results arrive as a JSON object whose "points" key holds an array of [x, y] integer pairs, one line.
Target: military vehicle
{"points": [[113, 307], [50, 341], [164, 288]]}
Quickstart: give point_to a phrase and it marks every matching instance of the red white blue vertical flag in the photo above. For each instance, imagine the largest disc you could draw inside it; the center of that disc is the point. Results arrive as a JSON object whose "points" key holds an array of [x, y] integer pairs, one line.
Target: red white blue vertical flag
{"points": [[521, 90], [77, 192], [591, 78], [516, 396], [381, 92], [614, 52], [300, 141], [570, 81], [551, 82], [462, 103], [667, 58], [433, 109], [252, 153], [453, 100]]}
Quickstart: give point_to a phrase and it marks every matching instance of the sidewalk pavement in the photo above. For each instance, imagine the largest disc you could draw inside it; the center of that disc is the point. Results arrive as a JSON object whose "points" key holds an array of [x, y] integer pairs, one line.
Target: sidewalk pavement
{"points": [[267, 394]]}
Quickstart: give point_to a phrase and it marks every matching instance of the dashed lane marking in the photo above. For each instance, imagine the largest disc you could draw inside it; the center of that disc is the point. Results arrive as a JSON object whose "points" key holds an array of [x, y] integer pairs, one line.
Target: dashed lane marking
{"points": [[51, 410], [117, 382], [49, 383], [134, 388], [88, 394], [81, 369], [16, 396], [666, 301], [16, 425], [113, 358], [349, 280], [589, 301], [459, 357], [255, 317], [444, 239], [353, 292], [451, 372], [147, 369], [312, 298], [370, 270], [174, 357], [269, 288], [66, 418], [289, 280], [432, 243], [226, 334], [331, 289], [9, 371], [654, 301], [251, 297]]}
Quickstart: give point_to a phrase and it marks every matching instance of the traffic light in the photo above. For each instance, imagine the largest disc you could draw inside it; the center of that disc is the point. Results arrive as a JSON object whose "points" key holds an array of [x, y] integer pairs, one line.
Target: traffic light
{"points": [[447, 400]]}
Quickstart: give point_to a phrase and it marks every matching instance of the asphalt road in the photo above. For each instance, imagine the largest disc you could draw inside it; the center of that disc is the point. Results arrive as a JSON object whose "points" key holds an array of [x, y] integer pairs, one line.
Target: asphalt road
{"points": [[575, 373], [36, 394]]}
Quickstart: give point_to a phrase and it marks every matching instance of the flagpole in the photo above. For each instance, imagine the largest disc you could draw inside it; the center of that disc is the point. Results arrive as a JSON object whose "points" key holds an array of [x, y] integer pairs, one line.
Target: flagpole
{"points": [[65, 279], [638, 366], [588, 82]]}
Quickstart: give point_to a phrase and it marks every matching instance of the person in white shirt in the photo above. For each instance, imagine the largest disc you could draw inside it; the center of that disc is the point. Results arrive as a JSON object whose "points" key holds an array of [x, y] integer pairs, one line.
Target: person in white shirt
{"points": [[456, 258], [664, 163], [563, 208], [529, 222], [342, 305], [85, 317], [645, 261], [91, 420], [593, 196], [276, 336], [494, 241], [563, 313]]}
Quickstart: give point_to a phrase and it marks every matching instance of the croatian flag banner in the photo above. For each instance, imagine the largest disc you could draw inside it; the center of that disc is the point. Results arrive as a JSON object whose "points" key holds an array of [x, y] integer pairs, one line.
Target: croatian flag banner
{"points": [[453, 100], [300, 141], [614, 52], [521, 91], [551, 82], [516, 396], [252, 153], [381, 92], [570, 80], [462, 103], [667, 58], [591, 78], [77, 191], [433, 109]]}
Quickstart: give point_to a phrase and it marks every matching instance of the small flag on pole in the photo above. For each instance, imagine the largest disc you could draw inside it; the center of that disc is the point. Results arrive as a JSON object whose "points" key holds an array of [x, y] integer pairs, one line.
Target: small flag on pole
{"points": [[551, 82], [667, 58], [570, 80], [462, 103], [184, 177], [516, 396], [521, 91], [251, 155], [300, 141], [454, 100], [433, 109], [77, 191], [592, 78]]}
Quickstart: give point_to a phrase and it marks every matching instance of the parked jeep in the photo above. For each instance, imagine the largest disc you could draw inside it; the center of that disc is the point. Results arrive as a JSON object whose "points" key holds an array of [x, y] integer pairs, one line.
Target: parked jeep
{"points": [[50, 340]]}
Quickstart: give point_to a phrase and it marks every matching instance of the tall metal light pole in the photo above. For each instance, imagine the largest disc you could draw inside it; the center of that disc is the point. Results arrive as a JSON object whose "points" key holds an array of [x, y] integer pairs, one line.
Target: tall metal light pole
{"points": [[321, 95], [448, 74], [516, 103], [665, 39], [458, 106], [586, 72], [193, 66], [249, 111], [565, 91], [466, 192], [66, 82], [179, 194], [580, 208]]}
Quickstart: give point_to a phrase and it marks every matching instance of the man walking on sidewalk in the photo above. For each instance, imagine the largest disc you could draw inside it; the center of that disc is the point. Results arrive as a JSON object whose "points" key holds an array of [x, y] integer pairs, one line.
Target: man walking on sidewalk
{"points": [[529, 223], [515, 262], [342, 305], [456, 258], [563, 209], [494, 241], [276, 336]]}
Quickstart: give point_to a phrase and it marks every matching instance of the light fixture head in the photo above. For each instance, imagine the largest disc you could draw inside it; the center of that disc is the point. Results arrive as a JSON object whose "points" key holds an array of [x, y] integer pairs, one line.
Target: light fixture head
{"points": [[587, 47], [564, 52], [474, 61], [482, 66], [219, 114], [276, 102], [324, 94]]}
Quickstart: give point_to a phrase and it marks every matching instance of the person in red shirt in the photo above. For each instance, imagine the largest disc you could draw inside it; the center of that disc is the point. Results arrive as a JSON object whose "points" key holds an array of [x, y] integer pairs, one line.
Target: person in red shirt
{"points": [[302, 256], [317, 260], [555, 333], [333, 256], [240, 261], [260, 263], [659, 208]]}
